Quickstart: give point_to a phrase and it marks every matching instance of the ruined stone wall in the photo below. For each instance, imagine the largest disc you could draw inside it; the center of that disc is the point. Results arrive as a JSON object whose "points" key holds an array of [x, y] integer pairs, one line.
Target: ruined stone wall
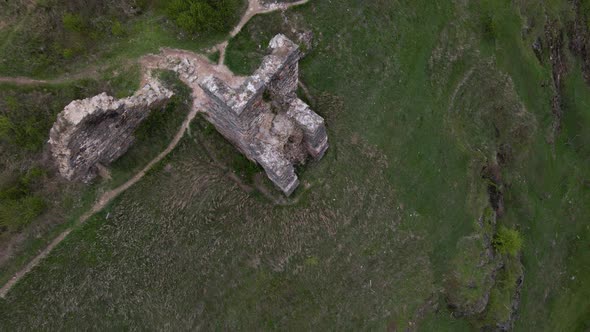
{"points": [[314, 130], [283, 84], [100, 129], [264, 118]]}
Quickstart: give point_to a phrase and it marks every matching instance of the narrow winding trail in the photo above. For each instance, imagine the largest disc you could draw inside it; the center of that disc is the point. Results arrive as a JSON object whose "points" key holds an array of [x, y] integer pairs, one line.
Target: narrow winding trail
{"points": [[90, 72], [33, 81], [255, 7], [23, 80], [102, 202]]}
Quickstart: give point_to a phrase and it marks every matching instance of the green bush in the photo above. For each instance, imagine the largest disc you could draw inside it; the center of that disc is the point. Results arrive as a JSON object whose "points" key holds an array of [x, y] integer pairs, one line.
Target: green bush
{"points": [[117, 29], [68, 53], [208, 129], [488, 27], [196, 16], [508, 241], [73, 22], [5, 127]]}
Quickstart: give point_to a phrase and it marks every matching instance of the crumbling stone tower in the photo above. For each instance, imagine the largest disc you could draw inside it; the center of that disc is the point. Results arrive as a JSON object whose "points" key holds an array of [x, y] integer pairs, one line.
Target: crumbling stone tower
{"points": [[264, 118]]}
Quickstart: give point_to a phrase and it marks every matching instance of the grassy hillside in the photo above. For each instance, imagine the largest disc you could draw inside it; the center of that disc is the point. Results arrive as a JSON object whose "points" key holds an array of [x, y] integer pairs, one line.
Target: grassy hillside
{"points": [[434, 108], [36, 202], [89, 47], [54, 37]]}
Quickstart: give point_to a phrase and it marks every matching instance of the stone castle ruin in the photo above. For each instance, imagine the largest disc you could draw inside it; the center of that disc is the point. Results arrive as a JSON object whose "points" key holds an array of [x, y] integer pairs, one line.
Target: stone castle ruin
{"points": [[260, 115]]}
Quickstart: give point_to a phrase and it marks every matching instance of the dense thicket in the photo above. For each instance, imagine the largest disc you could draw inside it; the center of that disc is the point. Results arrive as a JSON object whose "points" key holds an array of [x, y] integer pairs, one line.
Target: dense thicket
{"points": [[196, 16]]}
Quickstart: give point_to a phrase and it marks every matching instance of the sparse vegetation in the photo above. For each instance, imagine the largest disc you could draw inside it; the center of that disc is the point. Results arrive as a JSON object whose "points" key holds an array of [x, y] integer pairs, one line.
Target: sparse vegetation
{"points": [[73, 22], [214, 57], [19, 205], [117, 29]]}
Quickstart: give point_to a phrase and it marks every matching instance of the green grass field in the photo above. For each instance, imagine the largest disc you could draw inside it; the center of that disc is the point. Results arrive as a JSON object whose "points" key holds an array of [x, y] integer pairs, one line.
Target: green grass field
{"points": [[419, 96]]}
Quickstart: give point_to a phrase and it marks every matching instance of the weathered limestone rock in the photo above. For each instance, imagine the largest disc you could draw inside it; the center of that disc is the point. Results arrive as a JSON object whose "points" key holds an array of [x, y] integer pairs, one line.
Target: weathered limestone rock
{"points": [[100, 129], [264, 118]]}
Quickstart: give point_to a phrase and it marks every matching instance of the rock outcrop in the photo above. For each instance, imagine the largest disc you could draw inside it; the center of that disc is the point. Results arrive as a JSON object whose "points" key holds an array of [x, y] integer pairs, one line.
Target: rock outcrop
{"points": [[557, 57], [579, 38], [100, 129], [474, 270]]}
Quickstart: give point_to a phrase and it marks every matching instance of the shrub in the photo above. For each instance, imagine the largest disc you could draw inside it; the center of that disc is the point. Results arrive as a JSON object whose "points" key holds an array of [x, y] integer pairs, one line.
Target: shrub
{"points": [[508, 241], [196, 16], [73, 22], [11, 103], [5, 127], [68, 53], [117, 29], [488, 27]]}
